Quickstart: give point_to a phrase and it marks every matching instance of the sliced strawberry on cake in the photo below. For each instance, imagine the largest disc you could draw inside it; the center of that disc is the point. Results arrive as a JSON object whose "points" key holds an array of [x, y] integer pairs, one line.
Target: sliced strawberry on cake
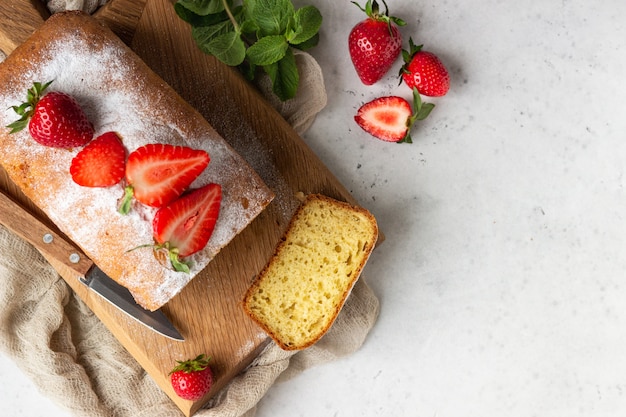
{"points": [[185, 226], [101, 163], [158, 173]]}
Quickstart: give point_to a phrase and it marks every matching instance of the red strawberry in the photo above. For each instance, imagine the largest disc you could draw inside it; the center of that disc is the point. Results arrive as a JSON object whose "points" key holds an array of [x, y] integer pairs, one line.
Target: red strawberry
{"points": [[54, 119], [192, 379], [374, 43], [158, 173], [101, 163], [425, 71], [185, 226], [391, 118]]}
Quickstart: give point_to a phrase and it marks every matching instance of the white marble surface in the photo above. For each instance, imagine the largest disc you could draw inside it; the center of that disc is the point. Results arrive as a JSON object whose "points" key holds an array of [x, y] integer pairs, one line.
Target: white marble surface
{"points": [[502, 277]]}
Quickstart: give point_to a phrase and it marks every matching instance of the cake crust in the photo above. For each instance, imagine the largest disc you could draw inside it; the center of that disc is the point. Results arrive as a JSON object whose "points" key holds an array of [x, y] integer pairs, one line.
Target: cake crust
{"points": [[120, 93]]}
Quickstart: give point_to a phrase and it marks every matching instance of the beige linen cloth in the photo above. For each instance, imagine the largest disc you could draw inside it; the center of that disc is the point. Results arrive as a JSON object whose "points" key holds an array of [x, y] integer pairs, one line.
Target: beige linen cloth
{"points": [[75, 361]]}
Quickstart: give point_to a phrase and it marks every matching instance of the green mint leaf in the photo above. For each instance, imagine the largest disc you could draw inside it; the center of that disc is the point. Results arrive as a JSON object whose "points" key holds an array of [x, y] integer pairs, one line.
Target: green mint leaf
{"points": [[202, 7], [254, 33], [205, 34], [267, 50], [248, 70], [248, 9], [227, 47], [309, 43], [248, 26], [307, 22], [284, 76], [196, 20], [272, 16], [187, 15]]}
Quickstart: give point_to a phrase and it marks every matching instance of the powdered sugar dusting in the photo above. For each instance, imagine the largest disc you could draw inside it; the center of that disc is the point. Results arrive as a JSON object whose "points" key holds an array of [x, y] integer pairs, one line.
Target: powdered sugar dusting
{"points": [[116, 93]]}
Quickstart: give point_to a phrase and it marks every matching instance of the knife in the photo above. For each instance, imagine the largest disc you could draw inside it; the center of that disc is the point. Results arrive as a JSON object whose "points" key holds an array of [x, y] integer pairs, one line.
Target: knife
{"points": [[17, 219]]}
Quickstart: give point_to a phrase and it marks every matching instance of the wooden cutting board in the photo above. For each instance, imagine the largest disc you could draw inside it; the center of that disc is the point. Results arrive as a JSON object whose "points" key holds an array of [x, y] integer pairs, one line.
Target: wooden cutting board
{"points": [[207, 312]]}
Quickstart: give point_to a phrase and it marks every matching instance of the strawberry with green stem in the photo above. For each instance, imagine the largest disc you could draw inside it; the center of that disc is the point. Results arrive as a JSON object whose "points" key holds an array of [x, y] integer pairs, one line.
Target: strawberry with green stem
{"points": [[53, 118], [391, 118], [192, 379], [374, 43], [425, 71]]}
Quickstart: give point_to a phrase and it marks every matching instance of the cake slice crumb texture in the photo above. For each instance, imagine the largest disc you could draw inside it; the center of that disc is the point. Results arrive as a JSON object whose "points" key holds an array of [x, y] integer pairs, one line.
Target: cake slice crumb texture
{"points": [[298, 295]]}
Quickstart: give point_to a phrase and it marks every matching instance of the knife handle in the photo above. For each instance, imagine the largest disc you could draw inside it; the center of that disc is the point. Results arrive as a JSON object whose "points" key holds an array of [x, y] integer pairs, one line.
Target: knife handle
{"points": [[21, 222]]}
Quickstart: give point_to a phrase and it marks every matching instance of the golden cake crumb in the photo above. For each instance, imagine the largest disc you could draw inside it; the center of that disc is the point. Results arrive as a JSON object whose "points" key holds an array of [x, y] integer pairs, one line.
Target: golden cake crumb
{"points": [[299, 293]]}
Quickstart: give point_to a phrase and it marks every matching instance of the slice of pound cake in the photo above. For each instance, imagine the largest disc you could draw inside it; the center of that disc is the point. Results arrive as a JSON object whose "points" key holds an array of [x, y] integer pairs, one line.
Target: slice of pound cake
{"points": [[299, 293]]}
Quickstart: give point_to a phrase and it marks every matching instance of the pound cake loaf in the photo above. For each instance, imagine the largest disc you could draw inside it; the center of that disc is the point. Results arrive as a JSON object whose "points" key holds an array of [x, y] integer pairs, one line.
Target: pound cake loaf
{"points": [[118, 93], [301, 290]]}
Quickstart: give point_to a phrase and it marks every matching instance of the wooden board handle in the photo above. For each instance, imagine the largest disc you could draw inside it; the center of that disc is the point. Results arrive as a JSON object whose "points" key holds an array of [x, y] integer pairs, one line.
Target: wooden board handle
{"points": [[18, 220]]}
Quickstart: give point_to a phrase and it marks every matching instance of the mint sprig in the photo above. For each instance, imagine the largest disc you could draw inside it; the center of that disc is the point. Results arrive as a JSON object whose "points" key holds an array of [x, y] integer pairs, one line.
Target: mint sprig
{"points": [[254, 35]]}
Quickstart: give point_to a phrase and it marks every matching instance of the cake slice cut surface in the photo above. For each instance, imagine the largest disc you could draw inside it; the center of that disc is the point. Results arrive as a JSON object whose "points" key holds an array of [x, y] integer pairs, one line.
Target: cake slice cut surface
{"points": [[301, 290]]}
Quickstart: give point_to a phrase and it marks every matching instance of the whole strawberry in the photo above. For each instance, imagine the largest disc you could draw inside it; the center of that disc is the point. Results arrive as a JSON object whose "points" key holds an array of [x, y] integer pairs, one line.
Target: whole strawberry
{"points": [[425, 71], [54, 119], [192, 379], [374, 43]]}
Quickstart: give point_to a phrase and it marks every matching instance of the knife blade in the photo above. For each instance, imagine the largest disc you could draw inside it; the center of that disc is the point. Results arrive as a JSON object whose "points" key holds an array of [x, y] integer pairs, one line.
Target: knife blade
{"points": [[21, 222]]}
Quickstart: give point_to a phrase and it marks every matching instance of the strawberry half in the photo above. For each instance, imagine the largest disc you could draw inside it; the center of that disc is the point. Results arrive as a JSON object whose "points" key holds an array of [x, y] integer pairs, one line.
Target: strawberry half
{"points": [[54, 119], [391, 118], [159, 173], [374, 43], [185, 226], [425, 71], [101, 163]]}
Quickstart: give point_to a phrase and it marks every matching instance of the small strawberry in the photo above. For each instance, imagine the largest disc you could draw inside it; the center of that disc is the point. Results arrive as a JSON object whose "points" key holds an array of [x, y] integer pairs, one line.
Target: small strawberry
{"points": [[185, 226], [391, 118], [192, 379], [54, 118], [101, 163], [158, 173], [425, 71], [374, 43]]}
